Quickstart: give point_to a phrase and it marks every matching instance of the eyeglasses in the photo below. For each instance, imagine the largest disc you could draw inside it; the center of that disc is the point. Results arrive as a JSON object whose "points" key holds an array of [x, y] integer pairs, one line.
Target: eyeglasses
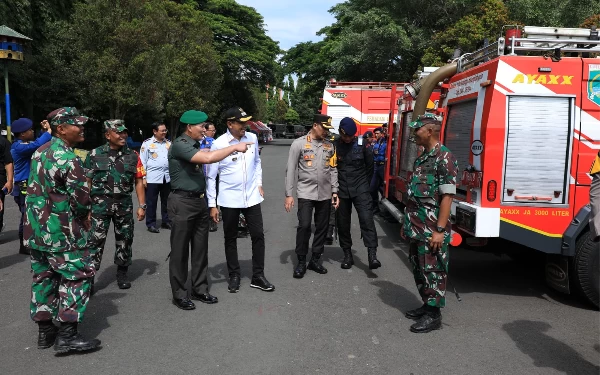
{"points": [[163, 131]]}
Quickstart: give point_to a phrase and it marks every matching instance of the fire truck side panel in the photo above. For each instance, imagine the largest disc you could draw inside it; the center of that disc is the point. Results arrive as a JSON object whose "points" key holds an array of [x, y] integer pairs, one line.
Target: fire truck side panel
{"points": [[369, 107]]}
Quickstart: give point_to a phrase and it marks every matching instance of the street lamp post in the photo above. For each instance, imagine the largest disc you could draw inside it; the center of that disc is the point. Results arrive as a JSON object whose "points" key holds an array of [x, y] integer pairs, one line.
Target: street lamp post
{"points": [[11, 49]]}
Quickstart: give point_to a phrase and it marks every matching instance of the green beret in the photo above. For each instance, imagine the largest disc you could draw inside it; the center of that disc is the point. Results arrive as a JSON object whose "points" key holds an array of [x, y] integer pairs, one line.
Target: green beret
{"points": [[193, 117]]}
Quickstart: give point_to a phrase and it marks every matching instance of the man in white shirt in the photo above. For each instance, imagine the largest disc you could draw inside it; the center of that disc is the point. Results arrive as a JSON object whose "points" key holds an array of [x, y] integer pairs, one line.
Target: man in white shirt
{"points": [[240, 190], [153, 154]]}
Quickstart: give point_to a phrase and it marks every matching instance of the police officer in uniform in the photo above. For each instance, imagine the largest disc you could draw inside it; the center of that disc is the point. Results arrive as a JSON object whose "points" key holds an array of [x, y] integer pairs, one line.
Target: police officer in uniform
{"points": [[112, 174], [426, 221], [311, 162], [355, 170], [188, 210], [379, 148], [22, 150]]}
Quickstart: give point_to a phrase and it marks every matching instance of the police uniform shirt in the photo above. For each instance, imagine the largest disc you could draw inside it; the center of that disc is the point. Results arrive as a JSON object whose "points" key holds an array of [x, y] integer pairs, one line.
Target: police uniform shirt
{"points": [[21, 153], [379, 150], [185, 175], [310, 162], [154, 156]]}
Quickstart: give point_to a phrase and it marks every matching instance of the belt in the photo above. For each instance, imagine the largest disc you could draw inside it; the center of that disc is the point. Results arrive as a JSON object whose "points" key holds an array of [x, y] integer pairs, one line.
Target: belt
{"points": [[188, 194], [380, 162]]}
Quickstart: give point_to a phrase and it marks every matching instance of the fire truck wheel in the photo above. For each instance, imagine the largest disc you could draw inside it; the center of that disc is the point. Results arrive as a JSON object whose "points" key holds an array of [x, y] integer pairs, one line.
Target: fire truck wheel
{"points": [[585, 268]]}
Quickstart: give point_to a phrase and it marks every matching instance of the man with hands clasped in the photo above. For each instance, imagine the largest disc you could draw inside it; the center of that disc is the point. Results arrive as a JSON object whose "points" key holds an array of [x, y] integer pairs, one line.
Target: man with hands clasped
{"points": [[426, 221], [311, 160]]}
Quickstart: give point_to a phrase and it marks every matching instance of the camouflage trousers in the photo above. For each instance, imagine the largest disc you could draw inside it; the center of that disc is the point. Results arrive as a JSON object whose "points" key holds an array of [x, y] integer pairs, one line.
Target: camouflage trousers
{"points": [[122, 218], [61, 285], [430, 275]]}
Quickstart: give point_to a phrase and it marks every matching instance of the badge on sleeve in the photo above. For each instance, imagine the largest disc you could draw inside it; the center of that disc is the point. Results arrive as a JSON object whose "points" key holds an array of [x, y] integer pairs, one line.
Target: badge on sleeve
{"points": [[309, 163]]}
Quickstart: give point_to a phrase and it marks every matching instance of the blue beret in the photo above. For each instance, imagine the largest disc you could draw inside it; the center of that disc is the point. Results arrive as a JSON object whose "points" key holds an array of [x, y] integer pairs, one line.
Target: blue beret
{"points": [[347, 126], [21, 125]]}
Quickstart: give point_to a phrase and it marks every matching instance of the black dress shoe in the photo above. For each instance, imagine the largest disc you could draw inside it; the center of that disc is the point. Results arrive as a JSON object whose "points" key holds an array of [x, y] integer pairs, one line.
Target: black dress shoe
{"points": [[206, 298], [416, 313], [262, 283], [427, 323], [234, 284], [166, 225], [153, 229], [184, 303]]}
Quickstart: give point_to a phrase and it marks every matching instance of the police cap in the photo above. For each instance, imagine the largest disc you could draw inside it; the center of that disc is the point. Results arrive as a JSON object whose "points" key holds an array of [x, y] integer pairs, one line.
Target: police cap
{"points": [[322, 120]]}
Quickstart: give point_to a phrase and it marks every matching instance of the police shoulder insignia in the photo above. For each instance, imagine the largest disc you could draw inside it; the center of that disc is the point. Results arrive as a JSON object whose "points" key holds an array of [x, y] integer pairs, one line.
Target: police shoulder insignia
{"points": [[595, 168]]}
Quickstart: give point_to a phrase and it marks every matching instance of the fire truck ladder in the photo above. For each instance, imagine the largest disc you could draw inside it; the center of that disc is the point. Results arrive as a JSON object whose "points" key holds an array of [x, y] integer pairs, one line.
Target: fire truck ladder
{"points": [[551, 40]]}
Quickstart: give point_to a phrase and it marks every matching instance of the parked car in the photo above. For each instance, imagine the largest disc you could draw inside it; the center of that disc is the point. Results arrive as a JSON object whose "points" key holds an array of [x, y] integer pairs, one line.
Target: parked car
{"points": [[299, 131]]}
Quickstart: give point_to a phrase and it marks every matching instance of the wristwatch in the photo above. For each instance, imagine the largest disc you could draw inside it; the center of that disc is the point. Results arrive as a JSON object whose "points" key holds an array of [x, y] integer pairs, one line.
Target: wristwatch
{"points": [[441, 229], [143, 206]]}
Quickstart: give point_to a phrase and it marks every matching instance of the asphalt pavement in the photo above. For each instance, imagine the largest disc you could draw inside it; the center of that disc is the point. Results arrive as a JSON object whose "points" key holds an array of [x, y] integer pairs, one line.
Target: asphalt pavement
{"points": [[344, 322]]}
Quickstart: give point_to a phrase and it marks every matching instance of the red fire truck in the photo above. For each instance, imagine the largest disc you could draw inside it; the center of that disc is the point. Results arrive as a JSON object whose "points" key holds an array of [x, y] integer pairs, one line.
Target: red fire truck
{"points": [[368, 103], [522, 118]]}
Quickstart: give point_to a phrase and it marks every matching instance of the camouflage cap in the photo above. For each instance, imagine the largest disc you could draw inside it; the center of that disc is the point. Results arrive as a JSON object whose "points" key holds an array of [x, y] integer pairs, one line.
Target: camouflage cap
{"points": [[116, 125], [424, 119], [67, 115]]}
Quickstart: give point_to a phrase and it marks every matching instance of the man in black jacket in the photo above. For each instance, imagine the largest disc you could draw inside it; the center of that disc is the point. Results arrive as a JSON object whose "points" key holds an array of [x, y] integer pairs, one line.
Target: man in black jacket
{"points": [[355, 170]]}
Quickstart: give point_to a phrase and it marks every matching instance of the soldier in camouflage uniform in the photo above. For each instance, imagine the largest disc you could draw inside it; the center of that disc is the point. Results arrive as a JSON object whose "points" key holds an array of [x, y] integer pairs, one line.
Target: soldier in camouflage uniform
{"points": [[56, 225], [426, 221], [112, 172]]}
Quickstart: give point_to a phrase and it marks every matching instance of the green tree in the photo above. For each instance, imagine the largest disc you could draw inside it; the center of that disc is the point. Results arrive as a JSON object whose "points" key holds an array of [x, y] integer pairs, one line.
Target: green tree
{"points": [[291, 116], [154, 54], [485, 21], [246, 54], [281, 108]]}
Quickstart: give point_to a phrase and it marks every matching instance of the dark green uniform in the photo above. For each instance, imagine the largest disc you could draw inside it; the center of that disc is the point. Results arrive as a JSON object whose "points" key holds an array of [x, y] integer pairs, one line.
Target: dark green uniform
{"points": [[189, 216], [113, 179]]}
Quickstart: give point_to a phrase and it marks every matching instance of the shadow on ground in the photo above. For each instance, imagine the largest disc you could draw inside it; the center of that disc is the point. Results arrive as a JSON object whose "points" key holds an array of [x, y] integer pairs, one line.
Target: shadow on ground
{"points": [[546, 351]]}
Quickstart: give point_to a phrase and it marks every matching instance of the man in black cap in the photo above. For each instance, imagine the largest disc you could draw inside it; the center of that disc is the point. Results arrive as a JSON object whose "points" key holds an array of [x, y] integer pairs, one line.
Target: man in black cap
{"points": [[188, 210], [240, 190], [355, 171], [311, 162]]}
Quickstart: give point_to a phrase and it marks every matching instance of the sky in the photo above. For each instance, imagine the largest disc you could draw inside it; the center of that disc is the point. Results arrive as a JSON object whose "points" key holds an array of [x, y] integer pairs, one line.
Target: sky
{"points": [[290, 22]]}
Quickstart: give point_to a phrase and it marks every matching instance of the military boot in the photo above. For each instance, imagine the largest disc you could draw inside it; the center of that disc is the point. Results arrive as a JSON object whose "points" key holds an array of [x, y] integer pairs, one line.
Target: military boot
{"points": [[373, 262], [348, 261], [329, 236], [68, 339], [47, 334], [301, 267], [432, 320], [416, 313], [122, 279], [315, 266], [22, 248]]}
